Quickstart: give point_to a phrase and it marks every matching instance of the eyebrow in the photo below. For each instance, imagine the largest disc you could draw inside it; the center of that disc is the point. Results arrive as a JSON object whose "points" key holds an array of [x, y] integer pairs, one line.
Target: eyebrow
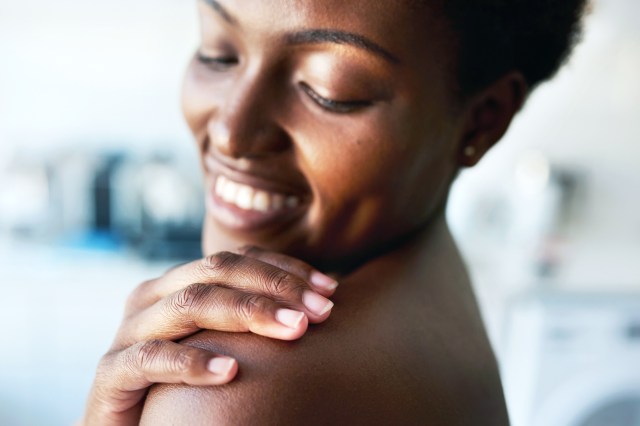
{"points": [[221, 11], [319, 36], [340, 37]]}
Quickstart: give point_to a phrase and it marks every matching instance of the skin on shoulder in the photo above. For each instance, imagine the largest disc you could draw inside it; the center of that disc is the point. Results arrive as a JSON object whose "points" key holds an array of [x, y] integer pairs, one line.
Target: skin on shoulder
{"points": [[405, 344], [329, 131]]}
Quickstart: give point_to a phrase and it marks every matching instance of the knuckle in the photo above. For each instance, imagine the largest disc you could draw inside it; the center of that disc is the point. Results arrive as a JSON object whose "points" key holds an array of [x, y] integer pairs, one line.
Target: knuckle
{"points": [[188, 299], [184, 361], [218, 262], [282, 283], [145, 286], [111, 369], [140, 292], [146, 353], [250, 305], [105, 365]]}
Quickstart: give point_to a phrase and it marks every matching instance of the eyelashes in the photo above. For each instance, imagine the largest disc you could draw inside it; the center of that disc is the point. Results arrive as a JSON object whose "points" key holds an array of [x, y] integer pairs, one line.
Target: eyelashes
{"points": [[225, 63], [218, 63], [340, 107]]}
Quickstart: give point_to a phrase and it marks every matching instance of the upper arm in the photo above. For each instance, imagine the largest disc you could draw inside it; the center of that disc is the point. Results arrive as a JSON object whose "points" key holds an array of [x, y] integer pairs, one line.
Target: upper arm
{"points": [[301, 382], [313, 381], [390, 360], [310, 381], [271, 386]]}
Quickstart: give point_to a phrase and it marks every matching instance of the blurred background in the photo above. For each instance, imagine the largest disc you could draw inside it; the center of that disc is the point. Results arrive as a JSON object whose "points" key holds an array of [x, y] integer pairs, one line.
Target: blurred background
{"points": [[99, 191]]}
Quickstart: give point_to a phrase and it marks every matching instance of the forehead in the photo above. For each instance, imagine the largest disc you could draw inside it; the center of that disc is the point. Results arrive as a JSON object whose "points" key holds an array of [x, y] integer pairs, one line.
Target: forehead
{"points": [[399, 26]]}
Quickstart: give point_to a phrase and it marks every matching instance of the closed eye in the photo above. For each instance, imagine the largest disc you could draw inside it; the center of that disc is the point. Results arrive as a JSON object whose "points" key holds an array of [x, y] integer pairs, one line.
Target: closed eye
{"points": [[218, 63], [339, 107]]}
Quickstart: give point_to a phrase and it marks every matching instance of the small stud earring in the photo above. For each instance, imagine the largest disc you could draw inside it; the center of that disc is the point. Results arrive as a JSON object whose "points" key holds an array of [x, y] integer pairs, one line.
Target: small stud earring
{"points": [[470, 151]]}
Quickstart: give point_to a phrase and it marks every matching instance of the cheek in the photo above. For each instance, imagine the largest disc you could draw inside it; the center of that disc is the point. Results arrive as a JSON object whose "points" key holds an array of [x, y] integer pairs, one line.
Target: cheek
{"points": [[355, 172], [360, 157], [373, 175], [348, 167]]}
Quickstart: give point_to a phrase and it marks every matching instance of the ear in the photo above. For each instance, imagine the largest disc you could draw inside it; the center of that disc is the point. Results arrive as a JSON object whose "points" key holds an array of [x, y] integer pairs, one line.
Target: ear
{"points": [[488, 116]]}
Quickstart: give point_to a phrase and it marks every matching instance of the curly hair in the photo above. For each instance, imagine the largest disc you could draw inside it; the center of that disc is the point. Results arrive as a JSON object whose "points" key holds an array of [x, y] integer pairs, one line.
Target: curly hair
{"points": [[494, 37]]}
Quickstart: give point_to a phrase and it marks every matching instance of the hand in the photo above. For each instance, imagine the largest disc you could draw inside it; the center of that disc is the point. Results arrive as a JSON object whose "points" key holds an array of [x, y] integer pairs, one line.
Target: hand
{"points": [[263, 292]]}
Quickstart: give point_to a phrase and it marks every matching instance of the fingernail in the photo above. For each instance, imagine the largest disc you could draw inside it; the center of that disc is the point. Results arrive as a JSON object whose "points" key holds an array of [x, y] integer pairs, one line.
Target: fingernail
{"points": [[317, 304], [321, 280], [289, 318], [221, 365]]}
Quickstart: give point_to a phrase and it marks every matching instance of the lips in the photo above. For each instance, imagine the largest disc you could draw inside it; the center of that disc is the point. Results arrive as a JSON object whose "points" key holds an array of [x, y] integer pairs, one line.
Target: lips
{"points": [[241, 200]]}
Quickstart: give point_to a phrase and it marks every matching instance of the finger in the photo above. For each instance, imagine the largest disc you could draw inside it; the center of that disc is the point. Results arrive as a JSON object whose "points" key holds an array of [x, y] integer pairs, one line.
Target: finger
{"points": [[202, 306], [322, 283], [123, 377], [141, 297], [242, 273], [163, 361]]}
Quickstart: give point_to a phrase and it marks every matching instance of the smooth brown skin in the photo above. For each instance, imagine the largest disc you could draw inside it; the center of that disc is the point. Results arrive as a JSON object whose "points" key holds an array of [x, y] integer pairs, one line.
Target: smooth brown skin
{"points": [[405, 343], [204, 294]]}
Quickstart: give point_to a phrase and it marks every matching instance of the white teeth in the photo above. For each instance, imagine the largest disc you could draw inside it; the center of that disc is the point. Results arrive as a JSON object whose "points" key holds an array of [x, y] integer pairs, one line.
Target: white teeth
{"points": [[261, 201], [248, 198], [230, 191], [244, 199], [220, 183]]}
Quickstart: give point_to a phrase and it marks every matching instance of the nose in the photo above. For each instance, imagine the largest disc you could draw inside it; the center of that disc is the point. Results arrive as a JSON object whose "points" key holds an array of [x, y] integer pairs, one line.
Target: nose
{"points": [[244, 125]]}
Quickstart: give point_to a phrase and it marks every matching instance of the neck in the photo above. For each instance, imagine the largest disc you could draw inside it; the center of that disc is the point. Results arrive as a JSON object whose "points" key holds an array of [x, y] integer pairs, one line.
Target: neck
{"points": [[431, 236]]}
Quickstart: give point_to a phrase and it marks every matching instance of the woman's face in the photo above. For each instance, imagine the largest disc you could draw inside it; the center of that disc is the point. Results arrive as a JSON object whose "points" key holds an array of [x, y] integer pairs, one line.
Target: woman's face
{"points": [[324, 126]]}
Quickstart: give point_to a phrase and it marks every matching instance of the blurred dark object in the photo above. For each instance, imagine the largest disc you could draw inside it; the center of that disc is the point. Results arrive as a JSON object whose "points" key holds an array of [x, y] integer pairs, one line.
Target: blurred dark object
{"points": [[150, 204], [102, 192], [157, 207]]}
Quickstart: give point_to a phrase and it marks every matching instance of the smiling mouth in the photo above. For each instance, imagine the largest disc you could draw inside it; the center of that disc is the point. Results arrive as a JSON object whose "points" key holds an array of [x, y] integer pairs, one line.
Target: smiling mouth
{"points": [[245, 202], [248, 198]]}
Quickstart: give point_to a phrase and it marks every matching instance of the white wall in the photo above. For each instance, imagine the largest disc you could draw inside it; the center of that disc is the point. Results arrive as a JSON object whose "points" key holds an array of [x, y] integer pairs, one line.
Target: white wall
{"points": [[78, 76], [92, 72]]}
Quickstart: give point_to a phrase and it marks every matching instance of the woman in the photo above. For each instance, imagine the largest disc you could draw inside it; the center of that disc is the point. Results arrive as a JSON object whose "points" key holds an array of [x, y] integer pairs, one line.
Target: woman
{"points": [[330, 133]]}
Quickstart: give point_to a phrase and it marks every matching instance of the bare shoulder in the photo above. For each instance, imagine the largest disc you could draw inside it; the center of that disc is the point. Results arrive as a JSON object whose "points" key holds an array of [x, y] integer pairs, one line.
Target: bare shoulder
{"points": [[360, 367], [398, 349]]}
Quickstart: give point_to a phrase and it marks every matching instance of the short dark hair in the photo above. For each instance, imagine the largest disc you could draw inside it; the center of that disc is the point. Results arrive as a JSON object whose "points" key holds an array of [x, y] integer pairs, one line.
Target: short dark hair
{"points": [[494, 37]]}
